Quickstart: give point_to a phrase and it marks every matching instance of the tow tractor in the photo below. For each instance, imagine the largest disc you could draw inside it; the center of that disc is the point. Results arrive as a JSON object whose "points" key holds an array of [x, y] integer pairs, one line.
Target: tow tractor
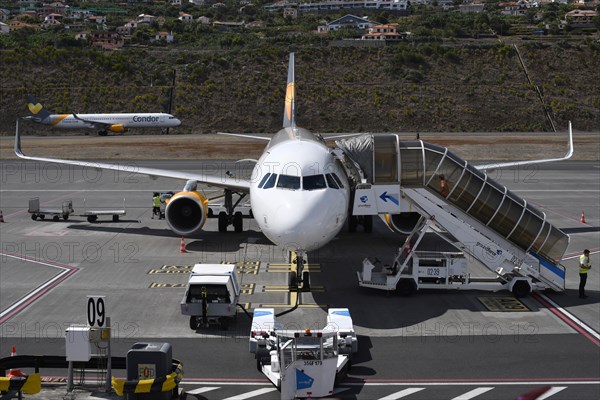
{"points": [[303, 363], [211, 296]]}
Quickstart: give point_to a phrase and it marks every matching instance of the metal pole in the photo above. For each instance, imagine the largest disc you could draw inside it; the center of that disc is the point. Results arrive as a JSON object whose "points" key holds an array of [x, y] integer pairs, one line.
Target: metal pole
{"points": [[108, 385], [70, 377]]}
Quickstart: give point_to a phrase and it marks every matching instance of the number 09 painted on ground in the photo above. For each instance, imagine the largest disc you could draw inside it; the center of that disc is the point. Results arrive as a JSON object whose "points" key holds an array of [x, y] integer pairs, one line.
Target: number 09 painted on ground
{"points": [[96, 311]]}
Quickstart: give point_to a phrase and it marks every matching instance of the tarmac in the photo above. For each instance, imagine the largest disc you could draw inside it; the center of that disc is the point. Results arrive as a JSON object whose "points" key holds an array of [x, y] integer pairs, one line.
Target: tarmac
{"points": [[445, 344]]}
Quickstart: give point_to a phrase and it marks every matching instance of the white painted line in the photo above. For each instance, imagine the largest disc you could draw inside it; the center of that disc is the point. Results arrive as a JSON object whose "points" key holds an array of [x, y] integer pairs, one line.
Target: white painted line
{"points": [[225, 383], [402, 393], [552, 392], [571, 317], [473, 393], [201, 390], [586, 381], [253, 393], [37, 292], [577, 256]]}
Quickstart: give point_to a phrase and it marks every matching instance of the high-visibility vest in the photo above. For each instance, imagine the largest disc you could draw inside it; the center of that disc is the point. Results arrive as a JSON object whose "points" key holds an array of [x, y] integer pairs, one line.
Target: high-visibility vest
{"points": [[156, 201], [584, 261]]}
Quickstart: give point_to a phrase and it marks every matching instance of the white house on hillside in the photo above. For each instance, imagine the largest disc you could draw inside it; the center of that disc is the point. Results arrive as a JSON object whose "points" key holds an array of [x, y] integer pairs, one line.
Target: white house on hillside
{"points": [[348, 21]]}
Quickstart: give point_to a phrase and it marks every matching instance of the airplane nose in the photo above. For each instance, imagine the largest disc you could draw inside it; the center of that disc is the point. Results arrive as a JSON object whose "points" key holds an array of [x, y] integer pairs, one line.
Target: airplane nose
{"points": [[177, 122], [306, 226]]}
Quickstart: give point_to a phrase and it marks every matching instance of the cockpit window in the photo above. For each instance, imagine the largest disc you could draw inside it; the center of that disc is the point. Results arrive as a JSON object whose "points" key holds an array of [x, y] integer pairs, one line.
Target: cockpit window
{"points": [[338, 180], [263, 180], [288, 182], [270, 182], [331, 182], [313, 182]]}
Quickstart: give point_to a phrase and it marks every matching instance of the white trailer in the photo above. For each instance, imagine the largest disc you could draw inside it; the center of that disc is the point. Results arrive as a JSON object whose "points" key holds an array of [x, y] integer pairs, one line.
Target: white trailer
{"points": [[211, 296], [92, 215], [303, 363], [41, 212]]}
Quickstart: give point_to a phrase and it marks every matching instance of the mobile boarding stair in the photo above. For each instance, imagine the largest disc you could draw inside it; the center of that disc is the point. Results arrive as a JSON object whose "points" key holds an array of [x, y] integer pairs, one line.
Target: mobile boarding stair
{"points": [[479, 216]]}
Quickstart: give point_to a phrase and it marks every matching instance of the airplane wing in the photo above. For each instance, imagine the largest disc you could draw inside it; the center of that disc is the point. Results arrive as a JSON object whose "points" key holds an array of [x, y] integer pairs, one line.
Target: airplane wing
{"points": [[242, 135], [226, 182], [97, 124], [327, 136], [567, 155]]}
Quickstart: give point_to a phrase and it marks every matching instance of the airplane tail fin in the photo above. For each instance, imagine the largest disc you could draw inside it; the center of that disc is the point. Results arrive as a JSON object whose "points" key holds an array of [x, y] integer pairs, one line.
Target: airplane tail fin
{"points": [[36, 108], [290, 96]]}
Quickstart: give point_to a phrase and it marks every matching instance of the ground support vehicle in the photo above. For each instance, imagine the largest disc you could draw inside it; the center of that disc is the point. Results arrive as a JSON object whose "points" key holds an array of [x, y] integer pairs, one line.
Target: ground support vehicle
{"points": [[211, 296], [303, 363]]}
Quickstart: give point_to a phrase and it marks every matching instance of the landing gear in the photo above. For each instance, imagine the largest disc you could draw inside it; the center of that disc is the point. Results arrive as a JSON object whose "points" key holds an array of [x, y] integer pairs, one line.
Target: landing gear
{"points": [[102, 133], [299, 280], [230, 217], [238, 222]]}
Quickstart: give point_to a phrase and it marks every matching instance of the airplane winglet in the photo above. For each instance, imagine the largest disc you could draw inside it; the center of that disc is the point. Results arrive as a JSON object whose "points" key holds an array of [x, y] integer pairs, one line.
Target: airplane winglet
{"points": [[18, 151], [290, 96], [569, 152], [567, 155]]}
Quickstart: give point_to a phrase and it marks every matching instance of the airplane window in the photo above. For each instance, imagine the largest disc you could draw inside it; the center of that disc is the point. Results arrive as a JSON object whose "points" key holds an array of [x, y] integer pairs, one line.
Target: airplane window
{"points": [[338, 180], [313, 182], [331, 182], [270, 182], [263, 180], [288, 182]]}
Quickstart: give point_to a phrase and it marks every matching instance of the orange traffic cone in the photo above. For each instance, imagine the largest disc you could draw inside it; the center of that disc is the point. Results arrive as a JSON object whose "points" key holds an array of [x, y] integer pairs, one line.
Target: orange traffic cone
{"points": [[182, 246], [582, 218], [15, 373], [1, 216]]}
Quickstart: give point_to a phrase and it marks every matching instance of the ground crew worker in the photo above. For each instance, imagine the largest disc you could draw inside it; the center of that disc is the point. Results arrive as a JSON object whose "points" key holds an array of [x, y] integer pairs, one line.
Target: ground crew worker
{"points": [[444, 191], [155, 205], [584, 267]]}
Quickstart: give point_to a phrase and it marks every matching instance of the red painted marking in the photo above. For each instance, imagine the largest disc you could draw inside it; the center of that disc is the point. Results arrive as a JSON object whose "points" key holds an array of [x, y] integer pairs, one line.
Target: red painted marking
{"points": [[556, 212], [566, 319], [474, 380]]}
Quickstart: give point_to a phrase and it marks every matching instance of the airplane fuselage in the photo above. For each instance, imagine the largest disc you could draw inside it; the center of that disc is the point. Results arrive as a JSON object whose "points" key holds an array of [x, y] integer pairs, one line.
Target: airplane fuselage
{"points": [[299, 193], [127, 120]]}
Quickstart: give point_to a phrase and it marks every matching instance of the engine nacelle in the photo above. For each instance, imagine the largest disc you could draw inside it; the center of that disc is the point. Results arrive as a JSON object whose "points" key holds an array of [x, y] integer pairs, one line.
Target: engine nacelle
{"points": [[117, 128], [186, 212], [403, 223]]}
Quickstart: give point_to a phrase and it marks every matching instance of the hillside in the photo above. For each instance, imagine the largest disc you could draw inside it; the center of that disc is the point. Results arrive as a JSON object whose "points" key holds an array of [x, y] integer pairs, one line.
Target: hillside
{"points": [[456, 86]]}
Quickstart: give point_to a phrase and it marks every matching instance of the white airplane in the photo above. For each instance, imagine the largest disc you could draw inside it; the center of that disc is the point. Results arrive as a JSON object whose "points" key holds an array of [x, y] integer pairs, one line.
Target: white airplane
{"points": [[299, 194], [117, 123]]}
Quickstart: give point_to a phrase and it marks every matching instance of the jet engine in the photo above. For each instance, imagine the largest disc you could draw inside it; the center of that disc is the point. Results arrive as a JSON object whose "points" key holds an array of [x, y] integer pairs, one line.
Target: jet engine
{"points": [[186, 212], [403, 223], [117, 128]]}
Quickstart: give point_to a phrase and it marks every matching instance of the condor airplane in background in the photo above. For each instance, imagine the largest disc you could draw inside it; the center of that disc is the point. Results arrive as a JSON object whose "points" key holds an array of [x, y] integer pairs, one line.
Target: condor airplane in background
{"points": [[117, 123], [300, 190]]}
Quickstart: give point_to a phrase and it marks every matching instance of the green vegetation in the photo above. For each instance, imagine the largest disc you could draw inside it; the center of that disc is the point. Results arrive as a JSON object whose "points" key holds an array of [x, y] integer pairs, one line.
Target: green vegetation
{"points": [[404, 87]]}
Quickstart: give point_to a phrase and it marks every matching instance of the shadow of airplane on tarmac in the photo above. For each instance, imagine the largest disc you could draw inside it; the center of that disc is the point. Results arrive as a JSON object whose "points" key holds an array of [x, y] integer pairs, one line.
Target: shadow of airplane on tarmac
{"points": [[584, 229]]}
